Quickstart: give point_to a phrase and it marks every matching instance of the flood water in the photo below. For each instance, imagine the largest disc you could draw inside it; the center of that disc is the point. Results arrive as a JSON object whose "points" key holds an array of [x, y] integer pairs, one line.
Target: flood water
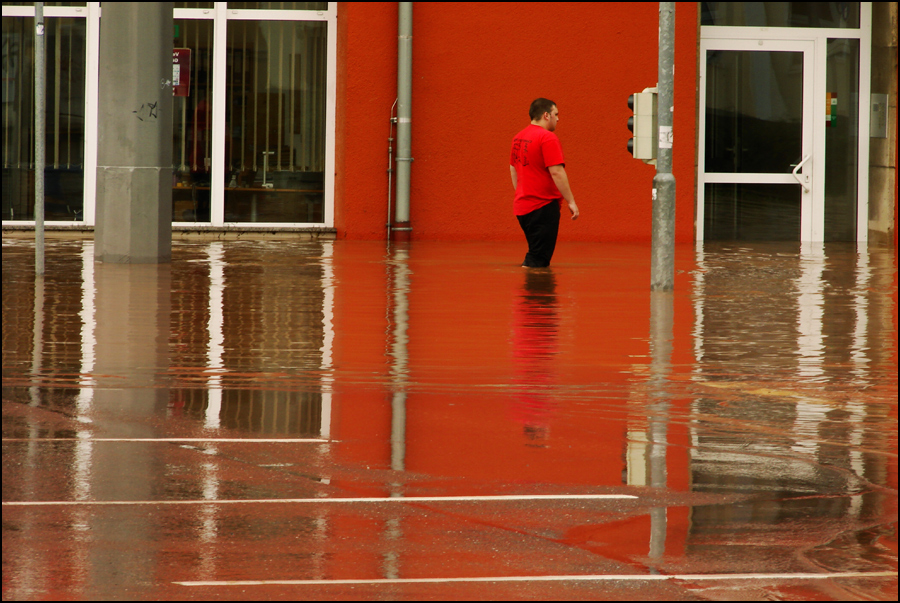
{"points": [[750, 417]]}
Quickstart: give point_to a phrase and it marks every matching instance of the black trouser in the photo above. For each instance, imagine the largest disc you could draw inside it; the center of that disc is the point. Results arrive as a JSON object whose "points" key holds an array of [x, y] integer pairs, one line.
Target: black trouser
{"points": [[540, 227]]}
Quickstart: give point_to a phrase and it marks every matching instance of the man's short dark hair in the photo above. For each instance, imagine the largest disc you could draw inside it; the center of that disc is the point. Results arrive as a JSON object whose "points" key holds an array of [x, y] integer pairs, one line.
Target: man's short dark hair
{"points": [[539, 106]]}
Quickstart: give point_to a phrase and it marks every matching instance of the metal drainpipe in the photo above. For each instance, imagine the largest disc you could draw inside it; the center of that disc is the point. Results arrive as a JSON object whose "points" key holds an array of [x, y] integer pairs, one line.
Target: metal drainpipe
{"points": [[402, 229], [390, 172]]}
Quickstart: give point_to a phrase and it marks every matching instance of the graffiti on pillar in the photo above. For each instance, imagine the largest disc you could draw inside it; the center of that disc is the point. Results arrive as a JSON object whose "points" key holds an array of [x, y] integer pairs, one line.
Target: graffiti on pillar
{"points": [[147, 112]]}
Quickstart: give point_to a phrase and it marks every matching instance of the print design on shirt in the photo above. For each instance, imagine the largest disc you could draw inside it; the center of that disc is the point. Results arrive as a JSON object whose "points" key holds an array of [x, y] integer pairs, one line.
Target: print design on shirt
{"points": [[520, 150]]}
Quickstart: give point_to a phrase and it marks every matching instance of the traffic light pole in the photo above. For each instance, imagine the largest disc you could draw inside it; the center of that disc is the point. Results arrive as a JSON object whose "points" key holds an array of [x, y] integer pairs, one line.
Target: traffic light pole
{"points": [[662, 267], [39, 118]]}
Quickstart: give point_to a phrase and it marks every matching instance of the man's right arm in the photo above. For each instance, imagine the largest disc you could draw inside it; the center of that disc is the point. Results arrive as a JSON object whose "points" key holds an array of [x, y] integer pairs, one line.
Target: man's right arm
{"points": [[558, 173]]}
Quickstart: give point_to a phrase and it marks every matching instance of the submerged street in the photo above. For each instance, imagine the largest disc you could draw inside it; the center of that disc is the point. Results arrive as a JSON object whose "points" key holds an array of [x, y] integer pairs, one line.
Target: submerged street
{"points": [[348, 420]]}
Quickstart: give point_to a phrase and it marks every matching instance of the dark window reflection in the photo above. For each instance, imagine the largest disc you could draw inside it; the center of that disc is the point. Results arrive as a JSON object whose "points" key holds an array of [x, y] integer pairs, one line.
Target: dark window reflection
{"points": [[781, 14], [64, 53], [751, 212], [275, 121], [192, 122], [754, 111], [842, 140], [297, 414]]}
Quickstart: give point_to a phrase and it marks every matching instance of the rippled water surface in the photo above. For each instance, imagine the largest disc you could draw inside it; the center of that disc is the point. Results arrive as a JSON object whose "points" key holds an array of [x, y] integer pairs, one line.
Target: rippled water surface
{"points": [[753, 412]]}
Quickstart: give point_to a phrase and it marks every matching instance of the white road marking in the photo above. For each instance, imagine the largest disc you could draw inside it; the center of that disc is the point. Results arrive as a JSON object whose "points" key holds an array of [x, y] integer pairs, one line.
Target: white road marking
{"points": [[589, 577], [414, 499]]}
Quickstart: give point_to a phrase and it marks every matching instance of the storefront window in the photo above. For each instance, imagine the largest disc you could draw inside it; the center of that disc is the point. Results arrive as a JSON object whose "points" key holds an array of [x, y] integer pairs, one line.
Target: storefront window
{"points": [[192, 120], [31, 4], [250, 121], [278, 5], [754, 111], [781, 14], [275, 121], [64, 126]]}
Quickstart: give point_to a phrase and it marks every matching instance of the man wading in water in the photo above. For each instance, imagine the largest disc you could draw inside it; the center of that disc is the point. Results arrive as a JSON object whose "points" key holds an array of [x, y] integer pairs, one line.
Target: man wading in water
{"points": [[538, 172]]}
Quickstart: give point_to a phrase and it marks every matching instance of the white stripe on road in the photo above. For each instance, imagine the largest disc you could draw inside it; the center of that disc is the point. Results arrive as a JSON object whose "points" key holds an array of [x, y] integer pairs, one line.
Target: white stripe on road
{"points": [[382, 499], [589, 577]]}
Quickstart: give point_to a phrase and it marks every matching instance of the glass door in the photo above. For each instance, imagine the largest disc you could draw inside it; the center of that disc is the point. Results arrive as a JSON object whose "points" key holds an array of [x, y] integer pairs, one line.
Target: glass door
{"points": [[755, 174]]}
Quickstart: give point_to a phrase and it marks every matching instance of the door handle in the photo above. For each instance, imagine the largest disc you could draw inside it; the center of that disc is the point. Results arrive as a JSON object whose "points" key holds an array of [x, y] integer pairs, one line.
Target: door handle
{"points": [[804, 179]]}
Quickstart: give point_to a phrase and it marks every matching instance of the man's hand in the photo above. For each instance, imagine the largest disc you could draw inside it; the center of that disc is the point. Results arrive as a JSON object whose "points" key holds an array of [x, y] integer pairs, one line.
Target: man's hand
{"points": [[573, 208]]}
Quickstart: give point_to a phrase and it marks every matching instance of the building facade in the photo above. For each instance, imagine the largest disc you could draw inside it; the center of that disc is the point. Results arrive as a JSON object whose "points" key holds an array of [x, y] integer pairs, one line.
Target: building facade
{"points": [[785, 125]]}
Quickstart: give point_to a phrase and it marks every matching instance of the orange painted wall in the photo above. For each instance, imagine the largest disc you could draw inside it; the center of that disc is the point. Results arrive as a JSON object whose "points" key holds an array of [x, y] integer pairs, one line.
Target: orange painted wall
{"points": [[476, 69]]}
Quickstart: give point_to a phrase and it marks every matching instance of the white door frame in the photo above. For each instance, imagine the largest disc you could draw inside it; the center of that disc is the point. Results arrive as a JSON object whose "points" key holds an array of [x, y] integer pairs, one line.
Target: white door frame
{"points": [[765, 38], [810, 214]]}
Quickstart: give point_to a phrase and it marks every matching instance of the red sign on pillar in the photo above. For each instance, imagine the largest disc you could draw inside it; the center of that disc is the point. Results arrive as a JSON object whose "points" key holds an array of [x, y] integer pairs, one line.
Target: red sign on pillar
{"points": [[181, 71]]}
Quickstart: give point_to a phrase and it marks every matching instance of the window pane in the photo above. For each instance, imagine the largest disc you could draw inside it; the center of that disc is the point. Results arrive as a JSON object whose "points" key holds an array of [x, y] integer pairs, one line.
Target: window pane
{"points": [[64, 127], [781, 14], [751, 212], [192, 121], [841, 140], [754, 111], [278, 5], [275, 121]]}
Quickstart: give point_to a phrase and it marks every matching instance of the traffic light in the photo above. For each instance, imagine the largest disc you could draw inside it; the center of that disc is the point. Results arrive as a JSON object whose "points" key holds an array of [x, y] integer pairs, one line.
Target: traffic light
{"points": [[644, 126]]}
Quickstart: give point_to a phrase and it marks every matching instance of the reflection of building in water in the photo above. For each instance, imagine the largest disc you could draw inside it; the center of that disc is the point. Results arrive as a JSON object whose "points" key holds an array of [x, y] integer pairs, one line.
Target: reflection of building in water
{"points": [[282, 343], [535, 334], [259, 411], [786, 345], [43, 331], [256, 370]]}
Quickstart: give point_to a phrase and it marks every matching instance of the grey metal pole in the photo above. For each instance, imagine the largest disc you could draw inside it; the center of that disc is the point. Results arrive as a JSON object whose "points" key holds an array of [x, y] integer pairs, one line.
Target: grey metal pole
{"points": [[662, 269], [39, 118], [404, 118]]}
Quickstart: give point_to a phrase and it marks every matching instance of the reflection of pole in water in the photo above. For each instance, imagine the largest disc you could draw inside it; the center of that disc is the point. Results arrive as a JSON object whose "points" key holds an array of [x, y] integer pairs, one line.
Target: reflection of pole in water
{"points": [[37, 349], [535, 335], [85, 400], [327, 367], [661, 330], [399, 321], [216, 331]]}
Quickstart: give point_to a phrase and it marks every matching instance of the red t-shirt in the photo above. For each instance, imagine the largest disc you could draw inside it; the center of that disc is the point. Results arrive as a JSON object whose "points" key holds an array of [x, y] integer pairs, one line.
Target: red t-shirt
{"points": [[535, 149]]}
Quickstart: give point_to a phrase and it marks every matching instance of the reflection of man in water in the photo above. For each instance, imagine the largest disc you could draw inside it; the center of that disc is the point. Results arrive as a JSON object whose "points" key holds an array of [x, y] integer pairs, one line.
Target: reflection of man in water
{"points": [[535, 332], [538, 171]]}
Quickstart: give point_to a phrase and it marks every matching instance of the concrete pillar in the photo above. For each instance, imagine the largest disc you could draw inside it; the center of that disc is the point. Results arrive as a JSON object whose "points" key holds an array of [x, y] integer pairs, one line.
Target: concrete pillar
{"points": [[134, 167]]}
